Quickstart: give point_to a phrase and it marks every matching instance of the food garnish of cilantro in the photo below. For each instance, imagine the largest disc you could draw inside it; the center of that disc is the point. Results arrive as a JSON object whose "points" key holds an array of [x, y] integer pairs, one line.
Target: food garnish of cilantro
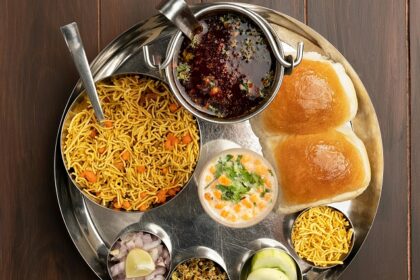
{"points": [[242, 181]]}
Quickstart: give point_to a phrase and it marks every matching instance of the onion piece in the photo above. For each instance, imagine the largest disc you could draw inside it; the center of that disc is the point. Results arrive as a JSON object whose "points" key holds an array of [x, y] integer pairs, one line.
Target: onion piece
{"points": [[147, 242]]}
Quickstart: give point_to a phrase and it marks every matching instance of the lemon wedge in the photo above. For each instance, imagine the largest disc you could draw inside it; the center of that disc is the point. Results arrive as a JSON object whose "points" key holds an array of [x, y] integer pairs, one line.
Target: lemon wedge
{"points": [[139, 263]]}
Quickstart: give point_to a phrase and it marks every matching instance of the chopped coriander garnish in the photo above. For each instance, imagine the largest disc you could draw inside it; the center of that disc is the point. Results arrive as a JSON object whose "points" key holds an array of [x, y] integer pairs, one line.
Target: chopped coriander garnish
{"points": [[242, 181], [264, 192], [183, 71], [195, 41], [246, 85]]}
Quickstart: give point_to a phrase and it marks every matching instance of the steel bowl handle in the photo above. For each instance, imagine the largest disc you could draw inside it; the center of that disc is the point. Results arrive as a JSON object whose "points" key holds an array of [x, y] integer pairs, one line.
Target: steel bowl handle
{"points": [[149, 59], [179, 13], [287, 62]]}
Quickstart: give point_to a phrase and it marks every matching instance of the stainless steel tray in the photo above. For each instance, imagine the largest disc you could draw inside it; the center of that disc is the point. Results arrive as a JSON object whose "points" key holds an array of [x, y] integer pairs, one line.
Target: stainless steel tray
{"points": [[93, 229]]}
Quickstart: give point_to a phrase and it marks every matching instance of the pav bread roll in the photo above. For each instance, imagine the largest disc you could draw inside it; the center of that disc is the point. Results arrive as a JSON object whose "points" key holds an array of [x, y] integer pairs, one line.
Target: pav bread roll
{"points": [[318, 95], [317, 169]]}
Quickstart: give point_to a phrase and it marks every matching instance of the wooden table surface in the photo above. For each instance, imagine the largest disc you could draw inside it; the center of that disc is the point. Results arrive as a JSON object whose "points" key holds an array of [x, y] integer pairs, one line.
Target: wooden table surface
{"points": [[380, 38]]}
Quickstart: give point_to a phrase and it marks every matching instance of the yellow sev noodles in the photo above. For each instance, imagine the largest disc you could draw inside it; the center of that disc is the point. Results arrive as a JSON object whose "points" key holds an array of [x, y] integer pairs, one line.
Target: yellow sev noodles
{"points": [[145, 152], [322, 235]]}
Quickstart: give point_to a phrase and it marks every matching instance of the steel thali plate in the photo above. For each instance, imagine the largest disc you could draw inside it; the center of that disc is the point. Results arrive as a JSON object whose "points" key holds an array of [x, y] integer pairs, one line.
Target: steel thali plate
{"points": [[93, 229]]}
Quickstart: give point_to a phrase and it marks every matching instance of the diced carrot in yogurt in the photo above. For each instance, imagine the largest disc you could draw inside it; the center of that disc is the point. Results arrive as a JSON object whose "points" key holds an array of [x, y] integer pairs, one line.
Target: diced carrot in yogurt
{"points": [[267, 197], [245, 159], [261, 170], [237, 208], [213, 169], [261, 205], [246, 203], [208, 179], [225, 181], [267, 183], [254, 198], [207, 196], [219, 206], [217, 194], [224, 213], [246, 217]]}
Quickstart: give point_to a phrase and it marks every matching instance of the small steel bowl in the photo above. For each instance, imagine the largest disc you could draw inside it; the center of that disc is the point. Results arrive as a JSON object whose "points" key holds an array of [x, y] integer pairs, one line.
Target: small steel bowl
{"points": [[199, 252], [151, 229], [79, 103], [201, 184], [281, 63], [259, 245], [343, 257]]}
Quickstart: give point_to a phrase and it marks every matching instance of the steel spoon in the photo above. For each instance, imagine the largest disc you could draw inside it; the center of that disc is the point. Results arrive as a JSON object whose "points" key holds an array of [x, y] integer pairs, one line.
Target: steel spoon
{"points": [[178, 12], [74, 43]]}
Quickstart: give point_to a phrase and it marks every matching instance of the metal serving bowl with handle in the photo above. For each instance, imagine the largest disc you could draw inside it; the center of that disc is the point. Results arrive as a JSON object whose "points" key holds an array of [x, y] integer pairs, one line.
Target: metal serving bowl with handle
{"points": [[283, 64]]}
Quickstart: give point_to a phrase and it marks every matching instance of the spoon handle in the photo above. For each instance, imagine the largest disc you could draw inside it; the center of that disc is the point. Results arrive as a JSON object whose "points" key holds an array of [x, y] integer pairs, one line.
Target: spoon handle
{"points": [[178, 12], [75, 45]]}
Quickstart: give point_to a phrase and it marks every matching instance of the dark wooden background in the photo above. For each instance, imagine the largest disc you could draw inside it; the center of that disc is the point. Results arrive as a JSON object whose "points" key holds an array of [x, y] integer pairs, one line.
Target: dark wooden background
{"points": [[380, 38]]}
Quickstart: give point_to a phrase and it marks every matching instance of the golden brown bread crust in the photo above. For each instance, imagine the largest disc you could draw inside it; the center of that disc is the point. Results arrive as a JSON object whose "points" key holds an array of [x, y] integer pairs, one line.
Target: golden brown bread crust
{"points": [[318, 95], [318, 168], [365, 123], [315, 163]]}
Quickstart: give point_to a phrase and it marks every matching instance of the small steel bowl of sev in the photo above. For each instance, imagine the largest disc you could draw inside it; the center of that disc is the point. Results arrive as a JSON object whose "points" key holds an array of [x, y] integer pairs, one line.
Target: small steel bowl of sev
{"points": [[322, 236]]}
